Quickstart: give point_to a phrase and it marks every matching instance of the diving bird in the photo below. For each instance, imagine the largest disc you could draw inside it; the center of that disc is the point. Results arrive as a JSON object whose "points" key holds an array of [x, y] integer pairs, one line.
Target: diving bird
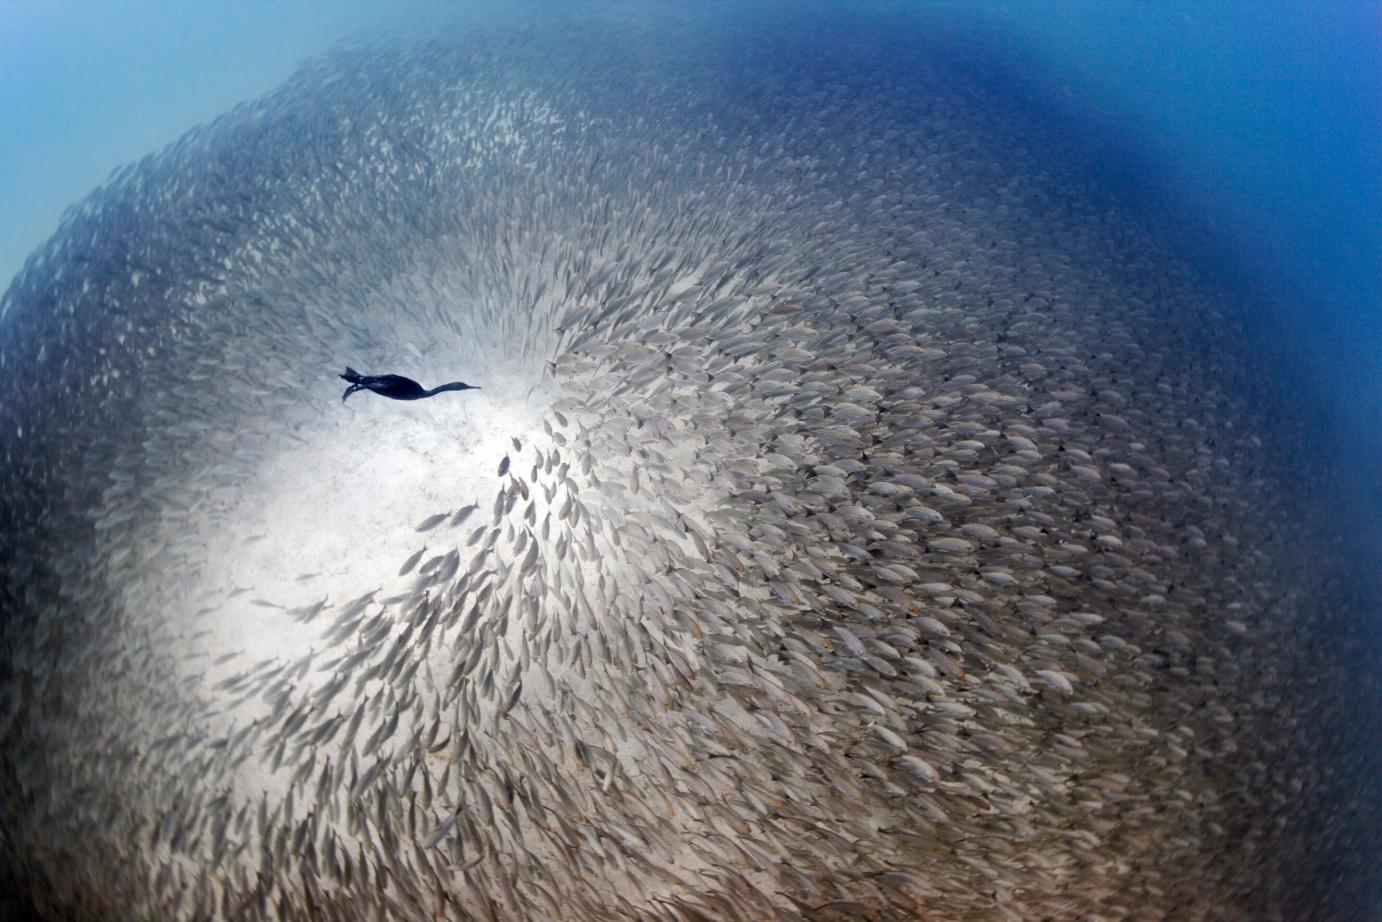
{"points": [[397, 387]]}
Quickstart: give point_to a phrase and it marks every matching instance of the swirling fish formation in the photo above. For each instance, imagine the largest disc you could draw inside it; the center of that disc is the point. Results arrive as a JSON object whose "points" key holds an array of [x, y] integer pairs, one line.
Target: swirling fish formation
{"points": [[880, 527]]}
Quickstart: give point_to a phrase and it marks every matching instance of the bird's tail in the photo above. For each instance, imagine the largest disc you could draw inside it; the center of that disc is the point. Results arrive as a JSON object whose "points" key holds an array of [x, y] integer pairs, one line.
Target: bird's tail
{"points": [[351, 375]]}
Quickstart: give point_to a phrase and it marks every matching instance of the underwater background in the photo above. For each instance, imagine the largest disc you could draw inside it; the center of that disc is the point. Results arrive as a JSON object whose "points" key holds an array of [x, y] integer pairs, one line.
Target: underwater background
{"points": [[951, 431], [1261, 119]]}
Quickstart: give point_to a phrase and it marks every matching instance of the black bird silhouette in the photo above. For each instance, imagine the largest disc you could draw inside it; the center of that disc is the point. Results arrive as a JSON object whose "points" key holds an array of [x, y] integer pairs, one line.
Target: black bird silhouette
{"points": [[396, 387]]}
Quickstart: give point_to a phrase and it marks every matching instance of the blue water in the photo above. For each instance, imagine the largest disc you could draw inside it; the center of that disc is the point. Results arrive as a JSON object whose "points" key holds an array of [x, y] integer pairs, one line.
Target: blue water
{"points": [[1263, 121]]}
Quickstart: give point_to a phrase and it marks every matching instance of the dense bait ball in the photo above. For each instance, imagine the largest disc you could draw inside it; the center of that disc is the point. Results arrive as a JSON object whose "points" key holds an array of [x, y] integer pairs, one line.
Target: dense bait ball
{"points": [[863, 515]]}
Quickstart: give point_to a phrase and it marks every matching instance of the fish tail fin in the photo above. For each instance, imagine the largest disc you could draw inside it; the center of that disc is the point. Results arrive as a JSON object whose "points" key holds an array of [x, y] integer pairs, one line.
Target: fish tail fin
{"points": [[351, 375]]}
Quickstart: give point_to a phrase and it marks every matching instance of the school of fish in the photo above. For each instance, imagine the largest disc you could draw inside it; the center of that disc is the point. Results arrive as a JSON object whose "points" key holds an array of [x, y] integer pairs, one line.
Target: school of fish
{"points": [[898, 537]]}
